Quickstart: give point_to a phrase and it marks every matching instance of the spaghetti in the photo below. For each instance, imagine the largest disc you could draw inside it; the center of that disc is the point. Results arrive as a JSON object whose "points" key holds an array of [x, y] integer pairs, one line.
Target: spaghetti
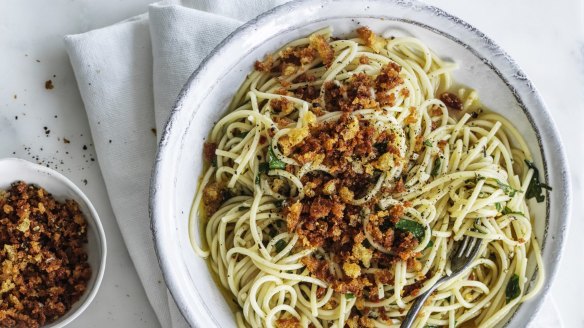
{"points": [[342, 176]]}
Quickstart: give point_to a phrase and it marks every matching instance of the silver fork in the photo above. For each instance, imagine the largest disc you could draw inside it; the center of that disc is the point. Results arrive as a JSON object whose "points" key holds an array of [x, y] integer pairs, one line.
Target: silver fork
{"points": [[464, 253]]}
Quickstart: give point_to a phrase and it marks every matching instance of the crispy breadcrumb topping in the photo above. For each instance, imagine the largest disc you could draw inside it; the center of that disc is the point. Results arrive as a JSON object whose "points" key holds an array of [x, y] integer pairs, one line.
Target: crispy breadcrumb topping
{"points": [[356, 154], [44, 267], [293, 59], [371, 39]]}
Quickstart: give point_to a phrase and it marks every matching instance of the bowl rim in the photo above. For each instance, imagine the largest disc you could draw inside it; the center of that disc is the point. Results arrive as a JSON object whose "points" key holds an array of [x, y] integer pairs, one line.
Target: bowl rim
{"points": [[558, 160], [39, 169]]}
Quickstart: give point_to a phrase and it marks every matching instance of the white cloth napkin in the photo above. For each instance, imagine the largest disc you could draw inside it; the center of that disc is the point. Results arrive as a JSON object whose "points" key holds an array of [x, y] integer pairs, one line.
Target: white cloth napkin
{"points": [[129, 75]]}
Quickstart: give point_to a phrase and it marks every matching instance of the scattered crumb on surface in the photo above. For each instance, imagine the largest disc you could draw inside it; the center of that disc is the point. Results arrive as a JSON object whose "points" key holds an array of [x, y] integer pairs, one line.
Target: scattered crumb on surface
{"points": [[49, 85]]}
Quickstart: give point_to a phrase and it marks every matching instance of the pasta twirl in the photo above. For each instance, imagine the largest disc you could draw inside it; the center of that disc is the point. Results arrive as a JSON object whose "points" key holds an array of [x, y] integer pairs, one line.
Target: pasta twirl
{"points": [[342, 175]]}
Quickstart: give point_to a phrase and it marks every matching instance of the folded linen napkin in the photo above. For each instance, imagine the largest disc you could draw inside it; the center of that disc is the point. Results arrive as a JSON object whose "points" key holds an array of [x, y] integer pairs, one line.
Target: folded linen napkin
{"points": [[129, 75]]}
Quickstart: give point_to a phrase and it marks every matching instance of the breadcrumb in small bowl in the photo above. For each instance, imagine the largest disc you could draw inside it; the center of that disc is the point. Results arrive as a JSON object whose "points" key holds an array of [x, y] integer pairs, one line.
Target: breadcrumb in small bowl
{"points": [[52, 247]]}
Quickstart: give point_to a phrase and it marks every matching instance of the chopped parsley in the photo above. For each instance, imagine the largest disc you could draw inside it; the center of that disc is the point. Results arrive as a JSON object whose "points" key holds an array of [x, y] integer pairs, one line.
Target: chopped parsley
{"points": [[513, 290], [436, 167], [272, 164], [273, 161], [427, 143], [280, 245], [381, 147], [507, 210], [535, 188], [430, 244], [507, 189], [414, 227], [242, 134], [263, 168]]}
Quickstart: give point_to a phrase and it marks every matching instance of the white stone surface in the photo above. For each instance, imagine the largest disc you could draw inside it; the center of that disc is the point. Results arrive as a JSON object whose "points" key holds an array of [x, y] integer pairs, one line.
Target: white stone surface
{"points": [[545, 39], [31, 31]]}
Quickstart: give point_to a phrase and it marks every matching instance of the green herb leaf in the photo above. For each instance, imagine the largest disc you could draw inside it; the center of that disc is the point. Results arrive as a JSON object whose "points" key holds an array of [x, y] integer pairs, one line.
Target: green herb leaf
{"points": [[427, 143], [414, 227], [274, 162], [280, 245], [499, 207], [513, 290], [436, 167], [257, 179], [263, 168], [381, 147], [535, 188], [242, 134], [507, 189], [507, 210], [430, 244], [349, 296]]}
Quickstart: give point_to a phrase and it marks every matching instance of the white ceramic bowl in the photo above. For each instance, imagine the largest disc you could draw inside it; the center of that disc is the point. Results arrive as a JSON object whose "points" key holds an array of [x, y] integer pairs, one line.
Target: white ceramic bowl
{"points": [[13, 169], [502, 86]]}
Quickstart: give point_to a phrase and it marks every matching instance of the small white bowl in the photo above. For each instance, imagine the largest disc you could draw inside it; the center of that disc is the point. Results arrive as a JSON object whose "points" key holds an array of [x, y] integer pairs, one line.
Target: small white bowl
{"points": [[14, 169]]}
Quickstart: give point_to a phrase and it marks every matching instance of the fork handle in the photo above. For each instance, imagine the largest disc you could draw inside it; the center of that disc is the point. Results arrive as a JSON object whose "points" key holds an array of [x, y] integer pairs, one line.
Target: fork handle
{"points": [[417, 306]]}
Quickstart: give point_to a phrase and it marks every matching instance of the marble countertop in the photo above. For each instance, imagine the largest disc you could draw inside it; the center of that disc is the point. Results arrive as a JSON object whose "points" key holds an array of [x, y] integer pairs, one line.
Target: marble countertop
{"points": [[546, 40]]}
